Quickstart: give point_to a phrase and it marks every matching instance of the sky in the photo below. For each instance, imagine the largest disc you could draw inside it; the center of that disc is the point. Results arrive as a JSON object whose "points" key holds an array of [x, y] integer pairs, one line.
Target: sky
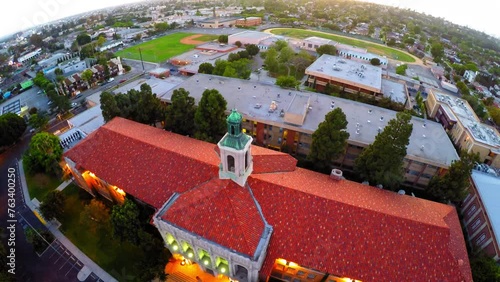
{"points": [[22, 14], [19, 15], [482, 15]]}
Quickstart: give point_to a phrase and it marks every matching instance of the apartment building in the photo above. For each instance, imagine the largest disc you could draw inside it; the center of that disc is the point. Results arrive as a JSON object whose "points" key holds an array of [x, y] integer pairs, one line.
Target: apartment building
{"points": [[283, 119], [480, 211], [465, 129]]}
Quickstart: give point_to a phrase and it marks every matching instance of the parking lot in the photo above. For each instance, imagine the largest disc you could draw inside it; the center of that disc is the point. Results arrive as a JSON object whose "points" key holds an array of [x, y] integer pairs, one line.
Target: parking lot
{"points": [[66, 265]]}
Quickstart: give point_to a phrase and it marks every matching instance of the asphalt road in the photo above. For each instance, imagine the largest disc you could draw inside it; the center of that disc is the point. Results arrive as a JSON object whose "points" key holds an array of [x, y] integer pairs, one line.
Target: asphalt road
{"points": [[56, 263]]}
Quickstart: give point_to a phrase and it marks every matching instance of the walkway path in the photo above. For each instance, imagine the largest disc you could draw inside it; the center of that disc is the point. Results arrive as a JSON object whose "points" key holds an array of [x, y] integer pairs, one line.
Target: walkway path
{"points": [[103, 275]]}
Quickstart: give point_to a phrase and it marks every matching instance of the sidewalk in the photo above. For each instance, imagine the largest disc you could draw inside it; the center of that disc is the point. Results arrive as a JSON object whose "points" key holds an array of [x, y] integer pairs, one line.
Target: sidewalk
{"points": [[103, 275]]}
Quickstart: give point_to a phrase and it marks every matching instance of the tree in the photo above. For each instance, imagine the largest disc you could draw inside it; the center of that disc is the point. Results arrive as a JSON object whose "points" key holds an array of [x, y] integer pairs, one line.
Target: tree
{"points": [[220, 67], [53, 205], [437, 51], [58, 71], [233, 57], [83, 39], [36, 40], [101, 40], [382, 161], [210, 116], [453, 185], [287, 81], [329, 139], [207, 68], [43, 154], [271, 60], [180, 113], [12, 128], [109, 106], [494, 114], [238, 43], [61, 103], [252, 49], [95, 215], [280, 44], [149, 109], [155, 258], [40, 239], [138, 37], [223, 38], [483, 267], [326, 49], [125, 221], [420, 102], [38, 121], [375, 61], [87, 75], [401, 70]]}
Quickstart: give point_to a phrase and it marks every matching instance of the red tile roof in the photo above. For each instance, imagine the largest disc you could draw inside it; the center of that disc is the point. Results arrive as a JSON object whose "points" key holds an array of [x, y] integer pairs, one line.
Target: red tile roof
{"points": [[339, 227], [220, 211], [149, 163], [358, 231]]}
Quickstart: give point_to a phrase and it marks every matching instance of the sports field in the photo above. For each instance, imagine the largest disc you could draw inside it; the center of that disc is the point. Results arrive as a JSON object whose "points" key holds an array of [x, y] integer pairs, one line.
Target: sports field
{"points": [[163, 48], [379, 49]]}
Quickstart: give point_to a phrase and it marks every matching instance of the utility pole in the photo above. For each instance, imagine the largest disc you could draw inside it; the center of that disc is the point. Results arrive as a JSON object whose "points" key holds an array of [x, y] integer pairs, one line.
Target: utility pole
{"points": [[142, 62]]}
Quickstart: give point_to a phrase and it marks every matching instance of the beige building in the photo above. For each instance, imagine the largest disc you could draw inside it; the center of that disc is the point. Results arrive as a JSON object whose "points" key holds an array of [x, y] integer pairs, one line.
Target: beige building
{"points": [[466, 130]]}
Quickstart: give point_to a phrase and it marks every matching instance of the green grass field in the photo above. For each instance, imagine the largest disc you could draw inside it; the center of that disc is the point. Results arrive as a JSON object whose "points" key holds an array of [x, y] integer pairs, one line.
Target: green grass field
{"points": [[163, 48], [389, 52], [39, 185]]}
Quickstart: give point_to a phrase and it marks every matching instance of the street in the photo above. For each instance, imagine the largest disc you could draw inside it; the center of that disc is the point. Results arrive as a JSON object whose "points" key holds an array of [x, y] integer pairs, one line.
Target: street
{"points": [[56, 263]]}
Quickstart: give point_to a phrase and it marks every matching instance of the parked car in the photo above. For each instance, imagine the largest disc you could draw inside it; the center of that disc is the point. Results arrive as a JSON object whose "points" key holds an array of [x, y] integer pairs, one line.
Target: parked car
{"points": [[123, 80], [73, 105]]}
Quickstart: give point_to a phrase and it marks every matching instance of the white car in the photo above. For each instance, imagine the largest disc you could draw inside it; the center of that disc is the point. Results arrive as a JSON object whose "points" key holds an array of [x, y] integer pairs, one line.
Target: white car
{"points": [[73, 105]]}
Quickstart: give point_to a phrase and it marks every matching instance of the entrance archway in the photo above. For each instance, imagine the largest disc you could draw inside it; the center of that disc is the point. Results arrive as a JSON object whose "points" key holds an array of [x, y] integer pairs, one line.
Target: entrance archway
{"points": [[241, 273]]}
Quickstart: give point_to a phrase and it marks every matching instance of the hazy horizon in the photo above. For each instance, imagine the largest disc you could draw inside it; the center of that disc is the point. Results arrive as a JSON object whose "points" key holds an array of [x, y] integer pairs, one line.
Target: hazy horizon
{"points": [[35, 12]]}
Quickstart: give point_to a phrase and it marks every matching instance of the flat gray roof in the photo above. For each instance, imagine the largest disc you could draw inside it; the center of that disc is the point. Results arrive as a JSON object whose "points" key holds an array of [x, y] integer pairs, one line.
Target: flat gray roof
{"points": [[216, 46], [198, 57], [487, 186], [160, 87], [347, 71], [462, 110], [87, 121], [394, 90], [251, 34], [429, 142]]}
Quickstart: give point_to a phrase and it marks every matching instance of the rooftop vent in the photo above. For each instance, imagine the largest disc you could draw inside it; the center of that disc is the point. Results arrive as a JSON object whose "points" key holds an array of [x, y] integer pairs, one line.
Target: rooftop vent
{"points": [[336, 174], [401, 192], [423, 136], [370, 111], [239, 88], [258, 106], [380, 186], [368, 121], [255, 86], [381, 118], [365, 183], [357, 131], [379, 129], [422, 148]]}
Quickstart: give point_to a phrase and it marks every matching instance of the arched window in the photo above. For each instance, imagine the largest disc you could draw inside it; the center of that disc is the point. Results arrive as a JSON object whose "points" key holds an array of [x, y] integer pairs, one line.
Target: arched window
{"points": [[230, 163]]}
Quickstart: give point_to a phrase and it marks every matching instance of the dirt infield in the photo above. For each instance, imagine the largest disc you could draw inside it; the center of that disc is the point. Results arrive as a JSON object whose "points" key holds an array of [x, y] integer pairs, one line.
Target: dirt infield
{"points": [[191, 40]]}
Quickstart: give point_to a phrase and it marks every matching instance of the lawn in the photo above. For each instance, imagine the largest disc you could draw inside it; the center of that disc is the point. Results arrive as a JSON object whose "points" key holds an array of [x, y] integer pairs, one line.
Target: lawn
{"points": [[118, 259], [207, 37], [39, 185], [382, 50], [161, 49]]}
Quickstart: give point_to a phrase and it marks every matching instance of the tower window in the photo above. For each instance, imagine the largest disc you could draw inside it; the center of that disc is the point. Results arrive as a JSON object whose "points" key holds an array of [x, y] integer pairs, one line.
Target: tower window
{"points": [[230, 163], [246, 159], [232, 130]]}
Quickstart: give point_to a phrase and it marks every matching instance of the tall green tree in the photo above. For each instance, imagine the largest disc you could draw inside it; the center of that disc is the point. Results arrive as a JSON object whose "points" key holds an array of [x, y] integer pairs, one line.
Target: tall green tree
{"points": [[437, 51], [454, 184], [271, 60], [326, 49], [43, 154], [38, 121], [180, 113], [95, 215], [484, 268], [155, 258], [329, 140], [83, 39], [252, 49], [87, 75], [149, 109], [207, 68], [125, 221], [382, 161], [12, 128], [210, 116], [109, 106], [287, 81], [53, 205], [223, 38], [61, 103]]}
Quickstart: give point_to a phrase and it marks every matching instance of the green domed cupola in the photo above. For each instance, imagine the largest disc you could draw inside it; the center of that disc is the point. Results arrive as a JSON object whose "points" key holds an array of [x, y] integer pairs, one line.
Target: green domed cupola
{"points": [[235, 151], [235, 138]]}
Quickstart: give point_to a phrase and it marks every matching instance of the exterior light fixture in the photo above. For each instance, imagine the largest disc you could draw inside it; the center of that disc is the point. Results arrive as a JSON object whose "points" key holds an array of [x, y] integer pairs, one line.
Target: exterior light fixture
{"points": [[223, 270], [175, 246], [205, 262]]}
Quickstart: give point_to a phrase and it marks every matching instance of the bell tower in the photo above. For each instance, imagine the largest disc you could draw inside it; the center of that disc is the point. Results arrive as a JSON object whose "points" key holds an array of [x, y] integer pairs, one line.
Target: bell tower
{"points": [[235, 152]]}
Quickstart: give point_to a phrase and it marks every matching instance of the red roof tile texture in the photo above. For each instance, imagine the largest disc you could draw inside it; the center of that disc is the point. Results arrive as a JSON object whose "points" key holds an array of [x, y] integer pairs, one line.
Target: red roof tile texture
{"points": [[220, 211], [358, 231], [339, 227], [146, 162]]}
